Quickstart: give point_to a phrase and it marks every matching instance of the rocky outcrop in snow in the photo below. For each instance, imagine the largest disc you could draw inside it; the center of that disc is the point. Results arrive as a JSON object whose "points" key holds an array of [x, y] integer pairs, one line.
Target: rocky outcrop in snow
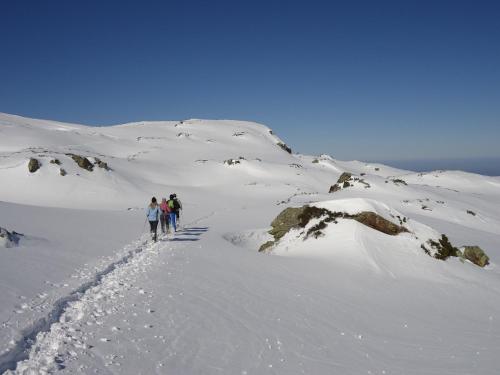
{"points": [[82, 162], [301, 217], [33, 165], [346, 180], [8, 239], [293, 228], [476, 255]]}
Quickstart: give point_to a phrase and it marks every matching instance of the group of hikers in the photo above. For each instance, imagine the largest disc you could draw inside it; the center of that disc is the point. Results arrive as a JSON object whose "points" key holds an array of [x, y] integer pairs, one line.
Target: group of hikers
{"points": [[167, 213]]}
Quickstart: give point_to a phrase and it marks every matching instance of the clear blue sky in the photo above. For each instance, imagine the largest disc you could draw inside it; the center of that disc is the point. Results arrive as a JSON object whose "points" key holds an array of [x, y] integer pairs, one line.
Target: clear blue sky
{"points": [[357, 79]]}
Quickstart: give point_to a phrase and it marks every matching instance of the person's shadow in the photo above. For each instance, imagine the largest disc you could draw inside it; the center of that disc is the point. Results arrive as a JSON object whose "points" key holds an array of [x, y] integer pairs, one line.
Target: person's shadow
{"points": [[189, 234]]}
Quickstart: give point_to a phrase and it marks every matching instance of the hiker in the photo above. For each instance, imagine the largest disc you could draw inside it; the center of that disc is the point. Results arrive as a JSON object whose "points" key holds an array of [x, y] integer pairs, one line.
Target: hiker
{"points": [[177, 207], [153, 213], [172, 215], [165, 211]]}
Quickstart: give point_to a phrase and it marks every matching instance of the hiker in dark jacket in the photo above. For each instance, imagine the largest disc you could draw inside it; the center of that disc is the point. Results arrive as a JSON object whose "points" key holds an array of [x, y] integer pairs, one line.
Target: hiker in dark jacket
{"points": [[153, 215], [177, 207], [173, 215]]}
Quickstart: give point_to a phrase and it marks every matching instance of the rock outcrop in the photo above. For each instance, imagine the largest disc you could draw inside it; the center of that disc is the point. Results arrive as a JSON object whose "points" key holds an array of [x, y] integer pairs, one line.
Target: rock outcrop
{"points": [[442, 249], [284, 147], [232, 161], [476, 255], [299, 217], [82, 162], [8, 239], [346, 180], [33, 165], [102, 164]]}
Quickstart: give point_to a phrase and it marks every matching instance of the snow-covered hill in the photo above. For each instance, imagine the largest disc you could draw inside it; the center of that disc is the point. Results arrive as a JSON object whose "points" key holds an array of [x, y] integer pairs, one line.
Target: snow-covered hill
{"points": [[83, 289]]}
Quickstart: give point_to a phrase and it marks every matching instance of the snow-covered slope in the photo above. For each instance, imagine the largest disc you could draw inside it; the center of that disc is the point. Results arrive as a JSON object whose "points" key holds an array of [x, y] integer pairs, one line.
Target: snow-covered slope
{"points": [[84, 291]]}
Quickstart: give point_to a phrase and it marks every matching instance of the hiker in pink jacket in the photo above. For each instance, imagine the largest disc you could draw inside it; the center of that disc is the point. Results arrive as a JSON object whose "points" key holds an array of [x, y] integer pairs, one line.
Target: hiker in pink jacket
{"points": [[164, 214]]}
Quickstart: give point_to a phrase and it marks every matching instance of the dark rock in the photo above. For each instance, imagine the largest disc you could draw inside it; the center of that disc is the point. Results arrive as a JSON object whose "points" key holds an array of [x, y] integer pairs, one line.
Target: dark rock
{"points": [[476, 255], [101, 164], [285, 147], [334, 188], [55, 161], [82, 162], [315, 161], [62, 172], [316, 230], [343, 181], [232, 162], [444, 248], [471, 212], [398, 181], [9, 239], [346, 176], [33, 165]]}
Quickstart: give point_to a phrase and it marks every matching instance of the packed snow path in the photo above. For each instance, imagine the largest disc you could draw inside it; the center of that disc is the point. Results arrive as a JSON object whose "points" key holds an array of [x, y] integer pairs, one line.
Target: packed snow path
{"points": [[109, 299], [198, 305]]}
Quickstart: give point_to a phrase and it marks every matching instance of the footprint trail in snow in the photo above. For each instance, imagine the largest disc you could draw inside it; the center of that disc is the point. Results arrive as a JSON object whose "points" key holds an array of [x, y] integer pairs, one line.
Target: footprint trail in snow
{"points": [[110, 311]]}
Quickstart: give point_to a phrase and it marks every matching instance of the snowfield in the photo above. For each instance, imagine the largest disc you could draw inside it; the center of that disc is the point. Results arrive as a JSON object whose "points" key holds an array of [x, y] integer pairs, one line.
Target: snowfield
{"points": [[83, 289]]}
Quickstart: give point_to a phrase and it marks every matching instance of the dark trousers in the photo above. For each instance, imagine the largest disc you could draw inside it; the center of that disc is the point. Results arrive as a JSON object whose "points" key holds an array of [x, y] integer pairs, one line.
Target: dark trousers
{"points": [[164, 222], [153, 225]]}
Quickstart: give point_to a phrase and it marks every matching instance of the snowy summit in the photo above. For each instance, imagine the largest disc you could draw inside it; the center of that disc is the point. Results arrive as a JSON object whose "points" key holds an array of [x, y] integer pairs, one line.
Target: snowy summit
{"points": [[282, 263]]}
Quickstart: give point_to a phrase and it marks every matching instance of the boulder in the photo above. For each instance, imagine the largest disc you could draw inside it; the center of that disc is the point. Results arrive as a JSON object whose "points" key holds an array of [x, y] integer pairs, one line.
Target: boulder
{"points": [[33, 165], [287, 219], [476, 255], [82, 162], [377, 222]]}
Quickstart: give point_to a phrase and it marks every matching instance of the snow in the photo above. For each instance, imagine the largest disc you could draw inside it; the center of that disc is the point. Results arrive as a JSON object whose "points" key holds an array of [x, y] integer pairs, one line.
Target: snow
{"points": [[86, 291]]}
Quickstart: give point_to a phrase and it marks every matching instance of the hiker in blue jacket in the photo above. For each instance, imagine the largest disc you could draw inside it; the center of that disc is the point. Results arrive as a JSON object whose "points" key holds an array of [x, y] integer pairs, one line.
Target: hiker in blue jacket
{"points": [[153, 215]]}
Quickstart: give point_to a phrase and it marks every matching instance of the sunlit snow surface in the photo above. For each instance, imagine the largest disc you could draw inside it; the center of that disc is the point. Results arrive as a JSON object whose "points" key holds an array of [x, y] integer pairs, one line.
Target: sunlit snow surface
{"points": [[86, 291]]}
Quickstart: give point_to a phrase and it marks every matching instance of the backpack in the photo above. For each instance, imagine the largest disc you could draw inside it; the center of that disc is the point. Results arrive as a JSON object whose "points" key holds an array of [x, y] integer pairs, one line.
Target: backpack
{"points": [[164, 206], [171, 204], [177, 206]]}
